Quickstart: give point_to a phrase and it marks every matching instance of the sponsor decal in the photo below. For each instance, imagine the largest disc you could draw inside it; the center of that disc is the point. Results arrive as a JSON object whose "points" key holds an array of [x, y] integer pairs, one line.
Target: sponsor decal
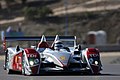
{"points": [[93, 55], [31, 55], [62, 58]]}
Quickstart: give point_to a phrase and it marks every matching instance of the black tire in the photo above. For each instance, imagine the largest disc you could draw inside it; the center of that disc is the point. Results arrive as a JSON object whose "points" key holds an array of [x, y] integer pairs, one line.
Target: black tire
{"points": [[6, 60], [23, 68], [9, 71], [6, 66], [23, 71]]}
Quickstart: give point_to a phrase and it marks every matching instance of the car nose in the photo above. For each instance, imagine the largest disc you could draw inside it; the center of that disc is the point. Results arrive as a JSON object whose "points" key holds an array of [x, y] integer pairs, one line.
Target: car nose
{"points": [[35, 69]]}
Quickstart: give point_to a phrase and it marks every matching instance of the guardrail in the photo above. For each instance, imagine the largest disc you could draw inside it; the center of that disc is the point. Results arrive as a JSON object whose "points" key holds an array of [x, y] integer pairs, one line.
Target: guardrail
{"points": [[102, 48], [105, 48]]}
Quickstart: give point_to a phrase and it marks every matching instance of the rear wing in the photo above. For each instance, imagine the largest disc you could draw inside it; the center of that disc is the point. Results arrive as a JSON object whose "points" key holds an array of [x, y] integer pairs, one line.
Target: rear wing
{"points": [[37, 38]]}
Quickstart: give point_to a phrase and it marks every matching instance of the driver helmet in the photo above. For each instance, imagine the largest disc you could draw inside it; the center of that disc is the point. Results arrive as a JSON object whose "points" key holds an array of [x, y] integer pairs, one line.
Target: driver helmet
{"points": [[58, 45]]}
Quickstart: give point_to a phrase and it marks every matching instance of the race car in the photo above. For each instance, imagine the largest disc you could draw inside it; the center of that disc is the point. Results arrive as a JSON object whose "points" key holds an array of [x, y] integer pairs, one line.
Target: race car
{"points": [[26, 61], [61, 56]]}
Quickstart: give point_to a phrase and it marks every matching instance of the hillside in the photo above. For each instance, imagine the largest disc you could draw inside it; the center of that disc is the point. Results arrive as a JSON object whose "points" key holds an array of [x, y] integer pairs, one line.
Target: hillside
{"points": [[82, 16]]}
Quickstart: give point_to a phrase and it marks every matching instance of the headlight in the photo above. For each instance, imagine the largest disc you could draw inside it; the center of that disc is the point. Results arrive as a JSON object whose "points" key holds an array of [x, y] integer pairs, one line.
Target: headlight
{"points": [[96, 62], [91, 60], [36, 61], [31, 63]]}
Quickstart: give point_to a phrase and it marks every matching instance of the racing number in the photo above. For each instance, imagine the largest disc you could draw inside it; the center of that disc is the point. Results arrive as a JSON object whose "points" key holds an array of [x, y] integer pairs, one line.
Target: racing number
{"points": [[93, 55], [18, 62], [31, 55]]}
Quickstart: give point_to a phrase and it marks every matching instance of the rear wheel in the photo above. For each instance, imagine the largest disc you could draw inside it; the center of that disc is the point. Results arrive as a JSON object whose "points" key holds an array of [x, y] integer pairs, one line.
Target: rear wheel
{"points": [[6, 65], [10, 71], [6, 60]]}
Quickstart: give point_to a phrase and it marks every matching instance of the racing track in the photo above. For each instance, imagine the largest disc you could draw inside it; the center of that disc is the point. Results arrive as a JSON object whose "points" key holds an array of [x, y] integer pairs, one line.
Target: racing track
{"points": [[111, 66]]}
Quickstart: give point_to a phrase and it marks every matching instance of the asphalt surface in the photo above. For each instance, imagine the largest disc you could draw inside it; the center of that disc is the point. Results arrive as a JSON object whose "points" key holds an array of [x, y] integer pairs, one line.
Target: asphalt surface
{"points": [[111, 71]]}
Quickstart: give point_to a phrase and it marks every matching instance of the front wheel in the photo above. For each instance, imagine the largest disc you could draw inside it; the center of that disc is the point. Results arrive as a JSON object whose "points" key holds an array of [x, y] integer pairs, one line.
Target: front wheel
{"points": [[95, 69], [23, 71], [9, 71]]}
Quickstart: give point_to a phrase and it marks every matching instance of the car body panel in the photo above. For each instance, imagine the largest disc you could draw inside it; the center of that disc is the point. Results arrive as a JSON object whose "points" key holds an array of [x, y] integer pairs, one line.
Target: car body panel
{"points": [[15, 62], [60, 58]]}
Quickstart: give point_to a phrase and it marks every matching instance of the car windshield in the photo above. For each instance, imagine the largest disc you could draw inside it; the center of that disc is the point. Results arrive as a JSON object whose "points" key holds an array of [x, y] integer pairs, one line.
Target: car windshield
{"points": [[68, 43], [58, 45]]}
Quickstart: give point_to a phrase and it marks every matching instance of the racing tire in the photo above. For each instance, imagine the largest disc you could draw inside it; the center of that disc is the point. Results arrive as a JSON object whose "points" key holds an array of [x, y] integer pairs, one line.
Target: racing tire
{"points": [[23, 68], [6, 60], [9, 71], [23, 71], [89, 73], [6, 66]]}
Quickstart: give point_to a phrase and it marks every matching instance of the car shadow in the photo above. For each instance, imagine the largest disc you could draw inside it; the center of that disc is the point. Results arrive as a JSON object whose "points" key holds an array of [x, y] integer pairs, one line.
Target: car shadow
{"points": [[66, 74], [74, 74]]}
